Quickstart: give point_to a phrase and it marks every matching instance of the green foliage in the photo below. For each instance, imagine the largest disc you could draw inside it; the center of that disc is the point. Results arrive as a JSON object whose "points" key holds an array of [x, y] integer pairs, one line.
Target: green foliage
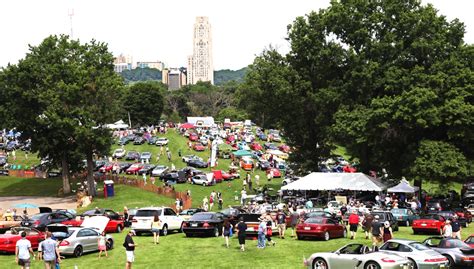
{"points": [[144, 101], [225, 75], [141, 74]]}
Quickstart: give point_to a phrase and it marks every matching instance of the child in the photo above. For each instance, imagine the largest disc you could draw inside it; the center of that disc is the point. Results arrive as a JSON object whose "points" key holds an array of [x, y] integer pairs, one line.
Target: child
{"points": [[102, 245]]}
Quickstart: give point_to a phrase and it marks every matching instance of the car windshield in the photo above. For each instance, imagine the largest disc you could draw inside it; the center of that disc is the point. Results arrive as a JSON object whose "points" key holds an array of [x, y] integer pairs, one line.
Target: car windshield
{"points": [[418, 246], [314, 220], [205, 216], [148, 212], [38, 216]]}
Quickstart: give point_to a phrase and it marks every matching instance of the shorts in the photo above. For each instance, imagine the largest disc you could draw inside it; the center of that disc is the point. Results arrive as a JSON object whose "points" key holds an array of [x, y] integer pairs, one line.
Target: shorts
{"points": [[376, 239], [154, 230], [282, 226], [353, 227], [130, 256], [24, 262], [52, 264], [102, 247], [241, 239]]}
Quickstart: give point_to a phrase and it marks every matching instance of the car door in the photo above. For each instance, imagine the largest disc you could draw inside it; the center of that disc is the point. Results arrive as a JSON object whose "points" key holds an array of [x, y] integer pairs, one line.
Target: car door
{"points": [[346, 257], [172, 219]]}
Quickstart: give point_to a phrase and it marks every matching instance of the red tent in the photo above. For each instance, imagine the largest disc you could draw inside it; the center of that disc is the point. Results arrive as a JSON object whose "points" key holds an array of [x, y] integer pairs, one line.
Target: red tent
{"points": [[187, 125]]}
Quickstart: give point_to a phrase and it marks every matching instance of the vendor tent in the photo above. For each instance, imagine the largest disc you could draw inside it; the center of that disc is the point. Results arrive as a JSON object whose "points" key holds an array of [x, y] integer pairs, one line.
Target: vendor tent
{"points": [[403, 187], [242, 153], [336, 181]]}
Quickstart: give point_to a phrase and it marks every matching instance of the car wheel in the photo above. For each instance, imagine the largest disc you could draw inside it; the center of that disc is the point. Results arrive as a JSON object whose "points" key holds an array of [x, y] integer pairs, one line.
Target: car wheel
{"points": [[407, 223], [326, 236], [320, 263], [372, 265], [412, 264], [78, 251], [450, 261], [109, 244], [164, 230], [119, 229], [216, 232]]}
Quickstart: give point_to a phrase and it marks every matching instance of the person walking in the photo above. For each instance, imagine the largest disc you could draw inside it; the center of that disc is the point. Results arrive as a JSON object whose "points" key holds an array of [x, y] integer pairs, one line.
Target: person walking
{"points": [[262, 230], [155, 229], [205, 204], [49, 252], [376, 231], [456, 227], [294, 221], [281, 218], [269, 233], [22, 252], [367, 225], [387, 233], [211, 202], [353, 224], [447, 231], [129, 245], [226, 231], [101, 242], [242, 229]]}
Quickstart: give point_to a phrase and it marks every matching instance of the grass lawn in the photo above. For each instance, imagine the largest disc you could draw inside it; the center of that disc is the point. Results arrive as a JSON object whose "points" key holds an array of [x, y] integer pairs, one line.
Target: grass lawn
{"points": [[13, 186], [177, 251]]}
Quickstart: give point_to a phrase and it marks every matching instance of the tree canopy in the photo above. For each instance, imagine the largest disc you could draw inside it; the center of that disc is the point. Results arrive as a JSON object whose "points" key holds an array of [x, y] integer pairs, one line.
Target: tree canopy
{"points": [[144, 101]]}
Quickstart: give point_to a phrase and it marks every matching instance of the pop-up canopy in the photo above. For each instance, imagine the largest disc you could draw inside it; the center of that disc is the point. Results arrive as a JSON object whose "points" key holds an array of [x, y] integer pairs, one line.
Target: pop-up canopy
{"points": [[403, 187]]}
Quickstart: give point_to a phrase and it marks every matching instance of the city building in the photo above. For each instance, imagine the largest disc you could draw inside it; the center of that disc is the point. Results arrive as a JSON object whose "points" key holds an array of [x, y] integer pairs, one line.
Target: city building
{"points": [[175, 78], [157, 65], [123, 62], [200, 64]]}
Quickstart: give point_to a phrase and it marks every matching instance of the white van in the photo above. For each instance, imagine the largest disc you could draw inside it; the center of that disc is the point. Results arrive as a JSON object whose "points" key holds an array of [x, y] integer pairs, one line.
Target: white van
{"points": [[144, 217]]}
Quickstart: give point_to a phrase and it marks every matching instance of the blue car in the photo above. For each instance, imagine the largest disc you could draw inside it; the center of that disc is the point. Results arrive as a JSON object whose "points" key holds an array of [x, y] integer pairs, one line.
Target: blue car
{"points": [[404, 216]]}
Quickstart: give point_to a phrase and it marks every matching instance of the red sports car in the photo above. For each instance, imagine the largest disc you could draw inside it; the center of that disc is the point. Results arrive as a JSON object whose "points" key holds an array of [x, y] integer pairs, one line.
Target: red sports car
{"points": [[193, 137], [198, 147], [429, 223], [284, 148], [256, 146], [463, 214], [470, 241], [106, 168], [276, 172], [115, 223], [320, 227], [134, 168], [9, 239]]}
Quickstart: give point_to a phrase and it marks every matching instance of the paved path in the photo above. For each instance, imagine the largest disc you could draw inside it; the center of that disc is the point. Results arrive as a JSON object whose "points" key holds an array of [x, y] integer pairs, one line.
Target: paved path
{"points": [[53, 202]]}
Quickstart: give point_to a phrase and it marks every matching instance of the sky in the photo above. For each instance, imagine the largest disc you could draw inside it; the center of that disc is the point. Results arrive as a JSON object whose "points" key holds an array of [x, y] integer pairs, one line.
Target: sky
{"points": [[159, 30]]}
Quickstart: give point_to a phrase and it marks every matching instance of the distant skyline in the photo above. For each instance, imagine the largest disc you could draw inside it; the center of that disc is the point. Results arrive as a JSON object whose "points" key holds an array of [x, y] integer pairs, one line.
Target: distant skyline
{"points": [[162, 30]]}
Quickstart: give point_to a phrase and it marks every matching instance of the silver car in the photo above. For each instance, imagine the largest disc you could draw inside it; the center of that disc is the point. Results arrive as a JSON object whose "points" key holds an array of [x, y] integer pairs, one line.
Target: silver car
{"points": [[159, 170], [76, 241], [419, 256], [457, 252], [355, 256]]}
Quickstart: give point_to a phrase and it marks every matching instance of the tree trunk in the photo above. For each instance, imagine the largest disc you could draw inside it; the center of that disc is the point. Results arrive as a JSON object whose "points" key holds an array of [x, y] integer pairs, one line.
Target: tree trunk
{"points": [[65, 174], [90, 174]]}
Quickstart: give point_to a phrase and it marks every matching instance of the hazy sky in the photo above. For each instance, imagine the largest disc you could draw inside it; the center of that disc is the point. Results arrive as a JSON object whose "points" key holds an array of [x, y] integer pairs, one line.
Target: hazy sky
{"points": [[152, 30]]}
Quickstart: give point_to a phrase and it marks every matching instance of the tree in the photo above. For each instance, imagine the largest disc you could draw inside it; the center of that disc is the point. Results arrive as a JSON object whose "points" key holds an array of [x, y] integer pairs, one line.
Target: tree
{"points": [[142, 74], [61, 95], [144, 101]]}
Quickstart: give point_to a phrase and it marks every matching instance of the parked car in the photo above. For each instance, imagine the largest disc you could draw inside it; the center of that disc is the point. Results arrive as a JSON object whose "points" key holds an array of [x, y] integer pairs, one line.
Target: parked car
{"points": [[470, 208], [193, 137], [404, 216], [459, 253], [132, 155], [355, 256], [173, 177], [10, 237], [319, 213], [246, 164], [139, 140], [433, 223], [187, 158], [319, 227], [435, 205], [188, 213], [256, 146], [270, 146], [199, 147], [197, 163], [204, 223], [275, 172], [3, 160], [124, 166], [263, 164], [159, 170], [144, 216], [107, 167], [451, 214], [463, 213], [134, 168], [146, 169], [470, 241], [162, 141], [252, 221], [42, 220], [205, 180], [76, 241], [386, 216], [119, 153], [145, 157], [418, 255], [284, 148]]}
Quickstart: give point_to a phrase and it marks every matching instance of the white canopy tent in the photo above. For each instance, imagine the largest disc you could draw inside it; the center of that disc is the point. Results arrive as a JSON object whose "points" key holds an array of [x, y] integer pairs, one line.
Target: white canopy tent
{"points": [[336, 181], [118, 125], [403, 187]]}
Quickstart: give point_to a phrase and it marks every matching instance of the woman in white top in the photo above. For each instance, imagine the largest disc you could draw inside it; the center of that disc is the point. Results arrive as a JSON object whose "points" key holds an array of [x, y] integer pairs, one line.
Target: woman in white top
{"points": [[448, 230]]}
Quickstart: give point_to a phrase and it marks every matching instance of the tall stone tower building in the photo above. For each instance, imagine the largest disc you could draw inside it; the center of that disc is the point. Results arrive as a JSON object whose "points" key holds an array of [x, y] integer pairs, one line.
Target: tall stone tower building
{"points": [[200, 66]]}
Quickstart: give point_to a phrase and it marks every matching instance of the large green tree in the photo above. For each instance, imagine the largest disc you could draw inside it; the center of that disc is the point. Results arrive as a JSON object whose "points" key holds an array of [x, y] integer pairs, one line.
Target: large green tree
{"points": [[144, 101]]}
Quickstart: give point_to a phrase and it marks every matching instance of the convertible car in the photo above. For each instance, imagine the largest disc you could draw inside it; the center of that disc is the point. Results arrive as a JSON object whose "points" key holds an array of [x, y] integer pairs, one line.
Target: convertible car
{"points": [[355, 256], [418, 255], [115, 224], [9, 239], [458, 253]]}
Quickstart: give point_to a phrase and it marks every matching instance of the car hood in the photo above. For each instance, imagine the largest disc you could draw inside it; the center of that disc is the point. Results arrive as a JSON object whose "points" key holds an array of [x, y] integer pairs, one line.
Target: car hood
{"points": [[96, 222]]}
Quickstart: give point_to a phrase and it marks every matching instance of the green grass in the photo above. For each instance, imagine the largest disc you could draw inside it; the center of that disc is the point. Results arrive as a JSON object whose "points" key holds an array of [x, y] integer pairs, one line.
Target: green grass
{"points": [[12, 186], [177, 251]]}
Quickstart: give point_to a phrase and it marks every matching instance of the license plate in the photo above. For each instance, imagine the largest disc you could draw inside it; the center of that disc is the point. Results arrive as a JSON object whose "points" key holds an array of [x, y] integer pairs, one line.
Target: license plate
{"points": [[194, 225], [307, 228], [423, 224]]}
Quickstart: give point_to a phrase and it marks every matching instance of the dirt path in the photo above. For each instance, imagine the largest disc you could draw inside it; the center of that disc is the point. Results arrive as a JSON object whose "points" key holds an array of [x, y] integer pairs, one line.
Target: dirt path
{"points": [[54, 203]]}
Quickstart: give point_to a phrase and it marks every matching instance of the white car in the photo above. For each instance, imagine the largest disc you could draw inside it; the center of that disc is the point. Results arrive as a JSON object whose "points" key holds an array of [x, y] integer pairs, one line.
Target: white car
{"points": [[418, 255], [119, 153], [159, 170], [141, 222], [162, 141], [205, 180], [470, 208]]}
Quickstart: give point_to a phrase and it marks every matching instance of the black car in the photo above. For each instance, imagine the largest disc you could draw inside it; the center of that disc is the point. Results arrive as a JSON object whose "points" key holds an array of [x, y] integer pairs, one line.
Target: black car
{"points": [[132, 155], [204, 223], [435, 205], [146, 169], [124, 166], [173, 177], [197, 163], [152, 140], [386, 216], [139, 141], [41, 220]]}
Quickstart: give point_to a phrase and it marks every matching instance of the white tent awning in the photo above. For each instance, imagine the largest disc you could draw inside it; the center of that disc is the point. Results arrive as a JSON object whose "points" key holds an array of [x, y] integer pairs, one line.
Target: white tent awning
{"points": [[403, 187]]}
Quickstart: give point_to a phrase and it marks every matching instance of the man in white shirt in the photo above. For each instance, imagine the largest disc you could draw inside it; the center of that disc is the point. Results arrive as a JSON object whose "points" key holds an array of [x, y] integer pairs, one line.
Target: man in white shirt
{"points": [[22, 252]]}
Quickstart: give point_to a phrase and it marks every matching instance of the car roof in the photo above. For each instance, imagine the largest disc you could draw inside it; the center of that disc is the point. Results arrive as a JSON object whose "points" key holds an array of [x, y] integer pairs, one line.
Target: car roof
{"points": [[153, 208]]}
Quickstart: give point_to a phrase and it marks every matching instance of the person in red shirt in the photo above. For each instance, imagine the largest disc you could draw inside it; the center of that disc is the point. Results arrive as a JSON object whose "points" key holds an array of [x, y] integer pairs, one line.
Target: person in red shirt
{"points": [[353, 223]]}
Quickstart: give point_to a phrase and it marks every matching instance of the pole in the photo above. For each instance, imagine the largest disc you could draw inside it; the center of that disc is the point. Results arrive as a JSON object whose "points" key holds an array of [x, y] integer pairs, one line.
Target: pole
{"points": [[129, 121]]}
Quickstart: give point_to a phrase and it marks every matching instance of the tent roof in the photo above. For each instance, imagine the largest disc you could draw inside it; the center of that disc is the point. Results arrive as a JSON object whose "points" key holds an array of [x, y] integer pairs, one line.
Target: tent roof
{"points": [[334, 181], [404, 186]]}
